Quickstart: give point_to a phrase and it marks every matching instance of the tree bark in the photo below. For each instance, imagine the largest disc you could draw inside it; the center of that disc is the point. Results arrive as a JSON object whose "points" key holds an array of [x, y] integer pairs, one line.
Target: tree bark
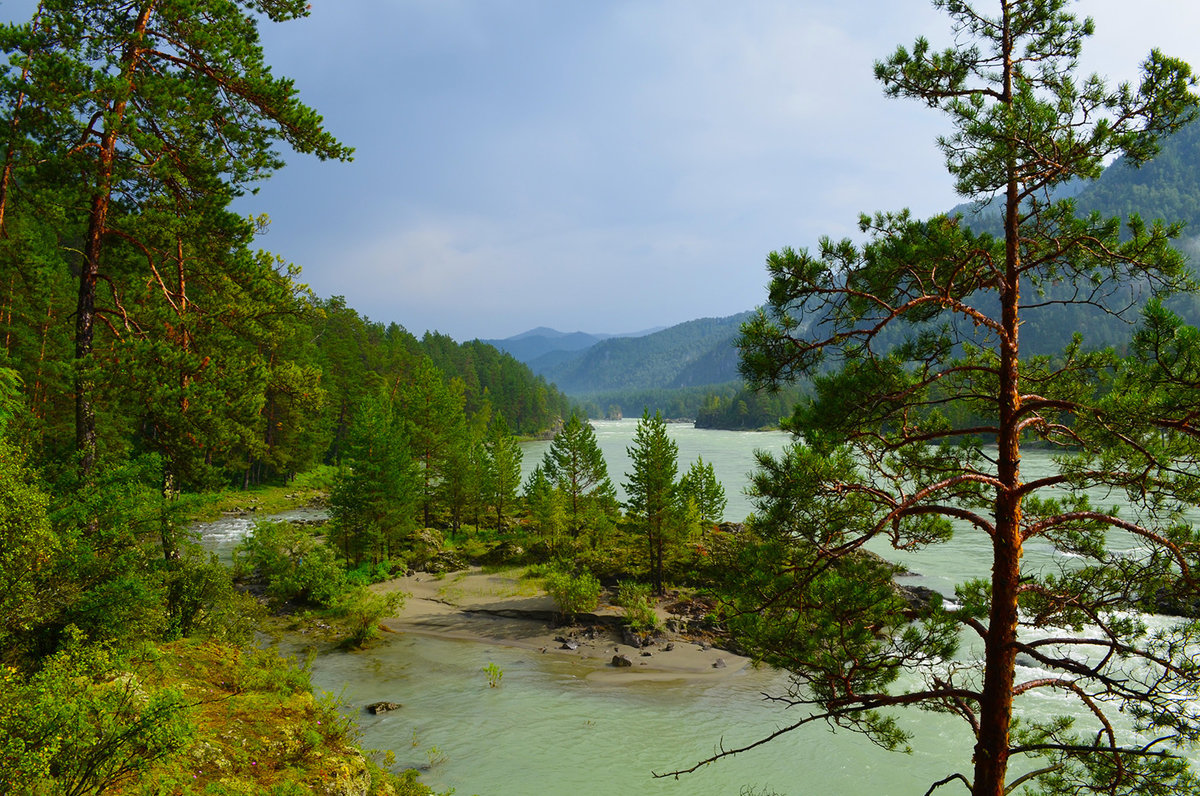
{"points": [[995, 709], [89, 272]]}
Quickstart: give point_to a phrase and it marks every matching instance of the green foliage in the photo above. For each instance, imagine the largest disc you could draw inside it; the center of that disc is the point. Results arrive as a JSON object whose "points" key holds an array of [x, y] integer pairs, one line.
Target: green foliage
{"points": [[203, 602], [375, 495], [547, 510], [359, 610], [491, 377], [922, 396], [700, 485], [747, 409], [502, 474], [573, 593], [296, 566], [119, 538], [494, 674], [365, 574], [28, 547], [677, 402], [88, 721], [10, 401], [635, 598], [575, 467], [654, 498], [1082, 765]]}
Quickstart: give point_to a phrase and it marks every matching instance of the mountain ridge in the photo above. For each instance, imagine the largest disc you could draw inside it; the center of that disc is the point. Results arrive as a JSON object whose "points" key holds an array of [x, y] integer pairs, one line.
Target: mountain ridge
{"points": [[690, 354]]}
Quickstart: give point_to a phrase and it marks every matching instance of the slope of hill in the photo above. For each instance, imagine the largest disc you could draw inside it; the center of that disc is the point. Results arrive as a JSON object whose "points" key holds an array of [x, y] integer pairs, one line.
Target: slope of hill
{"points": [[550, 346], [694, 353], [529, 346], [1168, 188]]}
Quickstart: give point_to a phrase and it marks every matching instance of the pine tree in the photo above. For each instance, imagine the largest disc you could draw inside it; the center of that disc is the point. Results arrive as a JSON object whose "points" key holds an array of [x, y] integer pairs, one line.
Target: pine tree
{"points": [[923, 399], [700, 485], [653, 493], [158, 102], [374, 501], [575, 465], [503, 457]]}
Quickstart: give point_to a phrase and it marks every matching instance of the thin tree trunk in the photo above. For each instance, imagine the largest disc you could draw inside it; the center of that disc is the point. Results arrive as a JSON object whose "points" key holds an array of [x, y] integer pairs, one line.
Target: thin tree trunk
{"points": [[184, 338], [995, 710], [14, 124], [89, 272], [37, 396], [12, 288]]}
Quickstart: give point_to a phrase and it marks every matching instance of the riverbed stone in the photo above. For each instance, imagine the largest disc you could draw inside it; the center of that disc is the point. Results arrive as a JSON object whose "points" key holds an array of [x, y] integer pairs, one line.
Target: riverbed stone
{"points": [[621, 660], [382, 707]]}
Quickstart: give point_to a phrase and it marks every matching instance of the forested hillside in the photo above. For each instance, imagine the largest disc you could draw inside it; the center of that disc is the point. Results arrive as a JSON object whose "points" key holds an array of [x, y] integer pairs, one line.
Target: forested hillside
{"points": [[237, 375], [689, 354], [151, 354], [1168, 187], [530, 346]]}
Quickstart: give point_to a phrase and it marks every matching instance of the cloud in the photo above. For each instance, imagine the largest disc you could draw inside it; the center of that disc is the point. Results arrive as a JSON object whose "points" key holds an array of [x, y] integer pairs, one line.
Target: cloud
{"points": [[608, 165]]}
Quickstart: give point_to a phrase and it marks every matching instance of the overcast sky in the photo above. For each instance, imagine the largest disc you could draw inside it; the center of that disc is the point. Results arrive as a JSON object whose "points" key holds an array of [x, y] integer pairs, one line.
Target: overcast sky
{"points": [[608, 165]]}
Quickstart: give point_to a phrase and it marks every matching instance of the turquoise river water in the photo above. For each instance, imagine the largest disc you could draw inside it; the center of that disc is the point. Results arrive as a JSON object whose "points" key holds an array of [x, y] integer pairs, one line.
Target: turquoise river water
{"points": [[549, 728]]}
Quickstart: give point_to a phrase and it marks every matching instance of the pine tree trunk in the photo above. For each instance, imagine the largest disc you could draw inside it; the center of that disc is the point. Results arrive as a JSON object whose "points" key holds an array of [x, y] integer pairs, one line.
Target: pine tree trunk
{"points": [[995, 709], [89, 272]]}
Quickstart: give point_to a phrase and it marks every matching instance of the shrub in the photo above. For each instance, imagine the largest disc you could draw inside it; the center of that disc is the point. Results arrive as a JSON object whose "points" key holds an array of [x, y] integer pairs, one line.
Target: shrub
{"points": [[574, 594], [366, 573], [202, 602], [359, 610], [639, 609], [87, 721], [296, 566]]}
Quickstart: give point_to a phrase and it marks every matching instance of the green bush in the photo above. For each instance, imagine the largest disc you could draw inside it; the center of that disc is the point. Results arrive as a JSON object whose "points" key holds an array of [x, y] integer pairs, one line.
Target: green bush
{"points": [[574, 594], [202, 602], [86, 722], [639, 609], [296, 566], [359, 610], [366, 573]]}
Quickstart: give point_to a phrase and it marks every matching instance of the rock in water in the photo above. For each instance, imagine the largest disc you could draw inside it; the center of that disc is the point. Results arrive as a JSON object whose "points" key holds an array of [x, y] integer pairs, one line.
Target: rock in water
{"points": [[719, 663], [382, 707], [621, 660]]}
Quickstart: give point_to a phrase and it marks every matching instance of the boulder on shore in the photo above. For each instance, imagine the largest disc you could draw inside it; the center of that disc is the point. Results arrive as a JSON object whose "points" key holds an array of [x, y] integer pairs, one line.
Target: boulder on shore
{"points": [[621, 661]]}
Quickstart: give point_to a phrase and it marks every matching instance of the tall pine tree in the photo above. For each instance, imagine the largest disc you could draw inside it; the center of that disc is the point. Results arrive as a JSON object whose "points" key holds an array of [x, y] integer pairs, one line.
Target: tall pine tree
{"points": [[923, 401]]}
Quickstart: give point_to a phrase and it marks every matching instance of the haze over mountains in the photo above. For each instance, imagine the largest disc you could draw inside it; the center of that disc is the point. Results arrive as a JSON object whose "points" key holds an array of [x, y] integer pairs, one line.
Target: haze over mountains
{"points": [[691, 354], [530, 346], [703, 352]]}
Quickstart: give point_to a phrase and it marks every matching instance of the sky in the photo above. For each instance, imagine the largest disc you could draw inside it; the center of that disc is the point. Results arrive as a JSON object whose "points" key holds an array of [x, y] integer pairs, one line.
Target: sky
{"points": [[608, 166]]}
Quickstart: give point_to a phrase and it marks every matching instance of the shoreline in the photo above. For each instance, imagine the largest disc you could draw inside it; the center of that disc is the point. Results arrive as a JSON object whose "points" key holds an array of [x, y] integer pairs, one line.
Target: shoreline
{"points": [[488, 608]]}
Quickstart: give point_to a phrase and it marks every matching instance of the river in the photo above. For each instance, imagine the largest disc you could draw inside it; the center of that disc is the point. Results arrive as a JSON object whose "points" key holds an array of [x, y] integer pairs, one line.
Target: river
{"points": [[549, 729]]}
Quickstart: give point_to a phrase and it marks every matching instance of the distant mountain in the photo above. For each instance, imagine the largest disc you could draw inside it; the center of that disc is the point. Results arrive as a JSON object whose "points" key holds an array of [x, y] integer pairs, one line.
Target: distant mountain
{"points": [[535, 344], [1168, 187], [691, 354]]}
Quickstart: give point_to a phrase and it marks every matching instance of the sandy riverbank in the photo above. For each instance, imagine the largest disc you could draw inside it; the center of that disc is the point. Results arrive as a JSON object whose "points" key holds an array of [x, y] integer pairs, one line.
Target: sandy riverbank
{"points": [[500, 608]]}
